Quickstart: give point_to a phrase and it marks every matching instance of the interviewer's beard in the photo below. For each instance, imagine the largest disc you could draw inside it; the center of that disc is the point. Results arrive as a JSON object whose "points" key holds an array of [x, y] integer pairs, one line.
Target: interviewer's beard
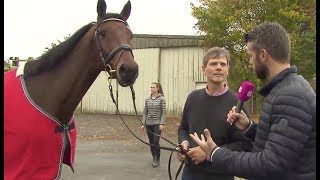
{"points": [[261, 70]]}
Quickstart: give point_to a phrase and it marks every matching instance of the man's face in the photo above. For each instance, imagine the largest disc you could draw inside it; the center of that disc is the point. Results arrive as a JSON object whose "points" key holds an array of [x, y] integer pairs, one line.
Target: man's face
{"points": [[216, 70], [259, 67]]}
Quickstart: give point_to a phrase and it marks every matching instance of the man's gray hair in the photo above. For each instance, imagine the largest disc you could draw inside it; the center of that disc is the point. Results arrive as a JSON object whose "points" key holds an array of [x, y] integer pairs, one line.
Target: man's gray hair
{"points": [[216, 52]]}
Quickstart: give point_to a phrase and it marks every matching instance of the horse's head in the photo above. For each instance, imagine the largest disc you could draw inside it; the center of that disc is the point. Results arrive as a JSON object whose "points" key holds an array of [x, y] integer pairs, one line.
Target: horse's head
{"points": [[113, 36]]}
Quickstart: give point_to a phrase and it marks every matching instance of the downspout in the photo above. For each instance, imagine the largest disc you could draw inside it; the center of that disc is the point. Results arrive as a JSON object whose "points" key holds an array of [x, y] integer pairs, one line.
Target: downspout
{"points": [[159, 66]]}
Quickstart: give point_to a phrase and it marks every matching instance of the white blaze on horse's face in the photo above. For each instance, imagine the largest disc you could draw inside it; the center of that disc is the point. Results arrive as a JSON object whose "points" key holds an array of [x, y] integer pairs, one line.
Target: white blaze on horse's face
{"points": [[114, 36]]}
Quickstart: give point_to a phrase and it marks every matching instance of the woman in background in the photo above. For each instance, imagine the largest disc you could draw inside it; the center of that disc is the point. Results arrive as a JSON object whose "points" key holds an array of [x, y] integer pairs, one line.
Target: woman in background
{"points": [[154, 115]]}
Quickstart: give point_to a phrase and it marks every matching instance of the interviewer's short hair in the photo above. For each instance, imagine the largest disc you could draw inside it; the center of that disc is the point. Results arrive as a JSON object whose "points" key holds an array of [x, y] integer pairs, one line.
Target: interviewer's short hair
{"points": [[272, 37]]}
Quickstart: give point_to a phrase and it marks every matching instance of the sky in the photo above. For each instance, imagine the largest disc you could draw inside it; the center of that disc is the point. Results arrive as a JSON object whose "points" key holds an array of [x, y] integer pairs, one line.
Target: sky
{"points": [[32, 25]]}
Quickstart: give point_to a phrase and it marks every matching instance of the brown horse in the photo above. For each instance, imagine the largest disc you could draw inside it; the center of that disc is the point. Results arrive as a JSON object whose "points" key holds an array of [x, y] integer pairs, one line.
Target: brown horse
{"points": [[53, 85]]}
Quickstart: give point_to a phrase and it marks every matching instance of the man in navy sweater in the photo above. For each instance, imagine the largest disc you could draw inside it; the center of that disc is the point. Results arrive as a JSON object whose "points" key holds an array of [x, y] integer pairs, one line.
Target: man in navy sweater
{"points": [[207, 108]]}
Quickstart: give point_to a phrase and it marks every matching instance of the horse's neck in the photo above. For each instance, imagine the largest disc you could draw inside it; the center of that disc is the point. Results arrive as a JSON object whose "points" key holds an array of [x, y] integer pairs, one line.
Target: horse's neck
{"points": [[60, 90]]}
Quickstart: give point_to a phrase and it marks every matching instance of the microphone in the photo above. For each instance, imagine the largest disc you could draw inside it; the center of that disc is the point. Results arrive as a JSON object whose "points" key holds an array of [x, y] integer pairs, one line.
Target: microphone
{"points": [[245, 92]]}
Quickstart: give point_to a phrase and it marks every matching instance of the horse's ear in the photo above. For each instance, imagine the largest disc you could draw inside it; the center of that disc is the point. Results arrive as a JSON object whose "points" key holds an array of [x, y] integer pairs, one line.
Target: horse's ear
{"points": [[125, 13], [101, 9]]}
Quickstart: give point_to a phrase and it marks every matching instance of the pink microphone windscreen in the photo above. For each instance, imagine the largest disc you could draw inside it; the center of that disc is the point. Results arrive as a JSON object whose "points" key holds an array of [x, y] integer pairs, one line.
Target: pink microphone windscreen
{"points": [[245, 91]]}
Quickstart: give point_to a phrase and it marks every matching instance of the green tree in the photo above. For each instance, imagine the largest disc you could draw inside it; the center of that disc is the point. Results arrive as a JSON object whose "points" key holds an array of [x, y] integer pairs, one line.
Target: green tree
{"points": [[223, 23]]}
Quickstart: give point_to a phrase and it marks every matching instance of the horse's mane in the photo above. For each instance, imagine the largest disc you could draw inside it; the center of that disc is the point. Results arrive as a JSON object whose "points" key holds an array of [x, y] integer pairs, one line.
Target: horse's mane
{"points": [[57, 54]]}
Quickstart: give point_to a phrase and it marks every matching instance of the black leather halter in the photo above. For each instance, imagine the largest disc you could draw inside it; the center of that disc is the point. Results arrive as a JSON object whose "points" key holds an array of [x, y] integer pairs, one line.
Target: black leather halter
{"points": [[105, 57]]}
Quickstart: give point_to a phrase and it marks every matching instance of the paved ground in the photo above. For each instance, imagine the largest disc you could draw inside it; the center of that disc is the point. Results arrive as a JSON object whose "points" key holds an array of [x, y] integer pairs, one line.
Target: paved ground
{"points": [[101, 161], [107, 151]]}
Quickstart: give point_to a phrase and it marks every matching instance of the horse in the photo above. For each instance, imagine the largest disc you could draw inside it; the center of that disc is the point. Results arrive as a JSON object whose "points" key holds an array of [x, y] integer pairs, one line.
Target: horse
{"points": [[41, 95]]}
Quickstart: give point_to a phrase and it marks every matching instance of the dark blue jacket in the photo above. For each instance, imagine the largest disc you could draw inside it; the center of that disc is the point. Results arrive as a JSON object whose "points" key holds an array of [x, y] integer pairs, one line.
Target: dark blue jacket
{"points": [[285, 139]]}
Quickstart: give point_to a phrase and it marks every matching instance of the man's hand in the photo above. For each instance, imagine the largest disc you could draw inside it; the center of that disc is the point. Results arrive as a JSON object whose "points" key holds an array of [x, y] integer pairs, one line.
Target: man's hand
{"points": [[185, 148], [180, 157], [197, 155], [206, 146], [240, 120], [142, 127], [161, 127]]}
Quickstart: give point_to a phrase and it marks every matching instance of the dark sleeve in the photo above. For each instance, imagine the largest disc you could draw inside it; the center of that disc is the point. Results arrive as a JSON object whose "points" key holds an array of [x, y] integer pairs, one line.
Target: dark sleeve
{"points": [[290, 130], [183, 129], [251, 131], [238, 141]]}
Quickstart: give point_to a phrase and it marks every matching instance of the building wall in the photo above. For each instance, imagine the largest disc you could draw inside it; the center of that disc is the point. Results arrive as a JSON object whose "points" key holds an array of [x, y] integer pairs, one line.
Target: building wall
{"points": [[98, 99], [144, 41], [178, 69], [148, 61]]}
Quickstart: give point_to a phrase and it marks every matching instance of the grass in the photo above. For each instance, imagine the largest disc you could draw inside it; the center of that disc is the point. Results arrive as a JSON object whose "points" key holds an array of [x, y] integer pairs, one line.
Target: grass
{"points": [[7, 68]]}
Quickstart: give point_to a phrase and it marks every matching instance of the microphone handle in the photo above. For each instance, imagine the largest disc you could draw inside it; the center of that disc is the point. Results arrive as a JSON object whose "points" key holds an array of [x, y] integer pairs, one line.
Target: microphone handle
{"points": [[239, 106]]}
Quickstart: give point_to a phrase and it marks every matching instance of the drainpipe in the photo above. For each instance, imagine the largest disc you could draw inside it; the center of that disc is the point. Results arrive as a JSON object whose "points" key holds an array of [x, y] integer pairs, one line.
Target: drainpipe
{"points": [[159, 66]]}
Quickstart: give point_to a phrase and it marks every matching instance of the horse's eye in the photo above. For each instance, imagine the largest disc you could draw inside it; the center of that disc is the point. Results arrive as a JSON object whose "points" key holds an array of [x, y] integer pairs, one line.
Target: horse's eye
{"points": [[102, 33]]}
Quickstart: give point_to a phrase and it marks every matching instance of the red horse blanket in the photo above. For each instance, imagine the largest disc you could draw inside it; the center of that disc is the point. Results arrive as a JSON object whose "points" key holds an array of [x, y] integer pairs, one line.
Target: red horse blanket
{"points": [[34, 141]]}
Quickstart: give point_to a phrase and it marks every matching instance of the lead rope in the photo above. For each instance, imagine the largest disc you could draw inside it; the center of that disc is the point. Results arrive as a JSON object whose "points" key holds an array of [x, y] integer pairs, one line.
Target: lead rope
{"points": [[160, 147]]}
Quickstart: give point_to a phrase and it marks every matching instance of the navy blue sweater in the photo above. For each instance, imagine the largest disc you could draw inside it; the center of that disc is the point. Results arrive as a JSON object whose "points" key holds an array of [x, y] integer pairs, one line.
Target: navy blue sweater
{"points": [[203, 111]]}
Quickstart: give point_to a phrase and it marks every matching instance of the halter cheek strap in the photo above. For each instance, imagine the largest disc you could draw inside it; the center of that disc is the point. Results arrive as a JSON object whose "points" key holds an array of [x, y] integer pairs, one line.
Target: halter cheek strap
{"points": [[105, 57]]}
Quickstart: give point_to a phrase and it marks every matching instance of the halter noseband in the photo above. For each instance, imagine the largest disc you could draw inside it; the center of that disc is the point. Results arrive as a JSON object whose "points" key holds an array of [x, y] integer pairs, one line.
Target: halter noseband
{"points": [[105, 57]]}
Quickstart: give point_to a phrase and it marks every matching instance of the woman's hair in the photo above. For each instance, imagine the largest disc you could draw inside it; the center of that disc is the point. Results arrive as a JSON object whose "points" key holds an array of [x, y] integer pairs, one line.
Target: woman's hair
{"points": [[159, 87]]}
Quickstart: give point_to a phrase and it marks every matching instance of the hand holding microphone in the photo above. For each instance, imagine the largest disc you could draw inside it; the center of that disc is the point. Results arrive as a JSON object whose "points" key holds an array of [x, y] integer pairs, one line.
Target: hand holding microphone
{"points": [[236, 115], [240, 120], [244, 94]]}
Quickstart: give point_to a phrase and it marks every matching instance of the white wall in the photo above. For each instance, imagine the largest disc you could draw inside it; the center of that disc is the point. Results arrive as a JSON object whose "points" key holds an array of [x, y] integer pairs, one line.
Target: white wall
{"points": [[177, 69]]}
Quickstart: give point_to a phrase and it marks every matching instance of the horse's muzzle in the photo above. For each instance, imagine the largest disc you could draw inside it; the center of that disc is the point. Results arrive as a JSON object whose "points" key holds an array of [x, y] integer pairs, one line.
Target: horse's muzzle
{"points": [[127, 74]]}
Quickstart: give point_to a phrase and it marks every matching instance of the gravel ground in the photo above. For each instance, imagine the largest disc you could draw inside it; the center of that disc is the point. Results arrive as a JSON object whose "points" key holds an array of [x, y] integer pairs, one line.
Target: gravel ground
{"points": [[110, 127]]}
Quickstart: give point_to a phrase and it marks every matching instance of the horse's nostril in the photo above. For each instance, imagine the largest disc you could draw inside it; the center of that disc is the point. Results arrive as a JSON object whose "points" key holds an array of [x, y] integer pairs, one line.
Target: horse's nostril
{"points": [[128, 73], [124, 68]]}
